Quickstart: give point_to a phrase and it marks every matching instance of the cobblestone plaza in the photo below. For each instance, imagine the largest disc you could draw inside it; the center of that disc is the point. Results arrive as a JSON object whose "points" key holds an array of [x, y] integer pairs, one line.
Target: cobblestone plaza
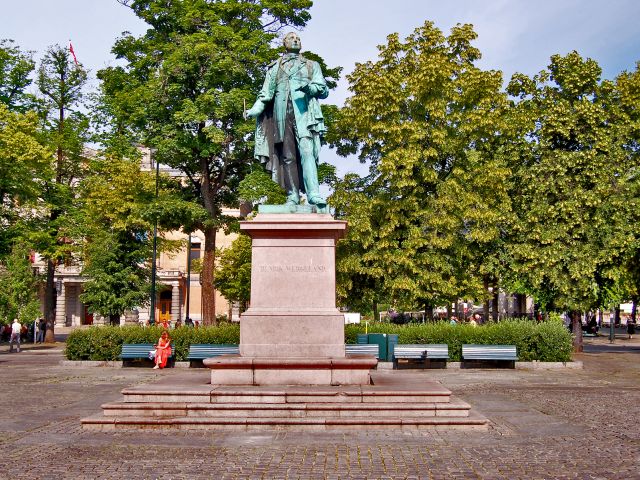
{"points": [[545, 424]]}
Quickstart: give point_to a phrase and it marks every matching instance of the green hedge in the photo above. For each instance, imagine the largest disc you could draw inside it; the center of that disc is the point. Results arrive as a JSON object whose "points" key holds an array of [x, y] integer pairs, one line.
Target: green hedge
{"points": [[546, 341], [105, 343]]}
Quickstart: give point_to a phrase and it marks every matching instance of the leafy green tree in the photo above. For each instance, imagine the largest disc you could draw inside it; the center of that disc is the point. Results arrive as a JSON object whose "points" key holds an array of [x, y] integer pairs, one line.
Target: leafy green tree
{"points": [[119, 278], [571, 170], [233, 272], [60, 84], [18, 287], [23, 157], [24, 163], [258, 187], [116, 242], [426, 119], [182, 90], [628, 116], [15, 76], [119, 207]]}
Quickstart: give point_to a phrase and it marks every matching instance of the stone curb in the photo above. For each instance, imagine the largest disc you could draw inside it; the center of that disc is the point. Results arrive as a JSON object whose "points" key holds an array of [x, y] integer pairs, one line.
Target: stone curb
{"points": [[105, 363], [535, 365]]}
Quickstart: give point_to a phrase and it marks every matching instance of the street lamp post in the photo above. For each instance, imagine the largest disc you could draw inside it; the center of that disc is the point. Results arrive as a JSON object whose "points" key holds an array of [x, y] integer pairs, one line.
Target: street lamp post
{"points": [[152, 313], [188, 276]]}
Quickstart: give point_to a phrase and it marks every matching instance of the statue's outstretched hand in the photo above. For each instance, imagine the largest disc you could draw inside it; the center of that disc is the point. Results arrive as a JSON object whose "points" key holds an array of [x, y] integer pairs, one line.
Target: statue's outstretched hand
{"points": [[253, 112]]}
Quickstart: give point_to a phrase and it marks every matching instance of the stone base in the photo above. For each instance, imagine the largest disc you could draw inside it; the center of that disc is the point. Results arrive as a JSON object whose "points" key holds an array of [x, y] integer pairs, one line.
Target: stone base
{"points": [[283, 209], [303, 334], [396, 402], [240, 370]]}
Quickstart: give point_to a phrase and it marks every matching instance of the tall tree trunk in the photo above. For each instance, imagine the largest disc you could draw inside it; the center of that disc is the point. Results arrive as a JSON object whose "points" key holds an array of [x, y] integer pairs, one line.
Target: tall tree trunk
{"points": [[374, 308], [494, 301], [634, 308], [576, 329], [428, 311], [49, 292], [521, 305], [114, 319], [208, 270], [486, 304], [49, 300]]}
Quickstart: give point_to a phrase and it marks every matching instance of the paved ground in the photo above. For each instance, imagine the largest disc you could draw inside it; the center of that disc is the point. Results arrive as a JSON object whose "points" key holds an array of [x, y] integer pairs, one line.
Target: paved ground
{"points": [[545, 425]]}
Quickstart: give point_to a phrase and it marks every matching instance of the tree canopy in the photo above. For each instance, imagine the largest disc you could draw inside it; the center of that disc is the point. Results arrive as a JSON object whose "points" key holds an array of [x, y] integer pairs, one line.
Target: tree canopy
{"points": [[182, 91], [427, 121]]}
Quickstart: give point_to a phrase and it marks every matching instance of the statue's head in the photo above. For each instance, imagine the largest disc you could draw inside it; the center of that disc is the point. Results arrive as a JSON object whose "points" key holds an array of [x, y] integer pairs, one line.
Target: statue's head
{"points": [[292, 42]]}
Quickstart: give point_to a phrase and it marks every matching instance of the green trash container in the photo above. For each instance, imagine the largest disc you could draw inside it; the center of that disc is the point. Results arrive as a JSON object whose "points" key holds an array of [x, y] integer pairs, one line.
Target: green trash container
{"points": [[363, 339], [381, 340], [392, 341]]}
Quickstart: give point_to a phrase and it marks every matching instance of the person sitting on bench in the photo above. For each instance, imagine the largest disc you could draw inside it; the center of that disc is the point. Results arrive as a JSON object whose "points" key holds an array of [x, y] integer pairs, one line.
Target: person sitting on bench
{"points": [[163, 350]]}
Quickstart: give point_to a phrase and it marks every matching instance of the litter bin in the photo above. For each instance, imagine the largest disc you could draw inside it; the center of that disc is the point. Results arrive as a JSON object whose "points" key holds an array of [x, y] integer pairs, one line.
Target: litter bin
{"points": [[381, 340], [392, 341]]}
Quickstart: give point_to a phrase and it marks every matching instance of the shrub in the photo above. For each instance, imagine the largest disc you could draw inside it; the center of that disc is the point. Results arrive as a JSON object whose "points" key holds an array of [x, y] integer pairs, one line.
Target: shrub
{"points": [[545, 341], [105, 343]]}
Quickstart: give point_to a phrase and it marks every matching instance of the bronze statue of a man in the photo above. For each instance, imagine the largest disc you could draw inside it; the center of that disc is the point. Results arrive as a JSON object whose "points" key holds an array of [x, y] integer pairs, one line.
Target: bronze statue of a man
{"points": [[289, 122]]}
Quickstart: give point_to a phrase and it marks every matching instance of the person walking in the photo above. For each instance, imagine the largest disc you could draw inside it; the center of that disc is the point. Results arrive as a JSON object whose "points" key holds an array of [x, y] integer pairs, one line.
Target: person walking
{"points": [[16, 330], [42, 328]]}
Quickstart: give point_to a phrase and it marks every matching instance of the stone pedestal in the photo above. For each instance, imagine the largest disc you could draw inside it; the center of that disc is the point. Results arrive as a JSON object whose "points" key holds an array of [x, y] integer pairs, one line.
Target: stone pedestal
{"points": [[293, 287], [292, 334]]}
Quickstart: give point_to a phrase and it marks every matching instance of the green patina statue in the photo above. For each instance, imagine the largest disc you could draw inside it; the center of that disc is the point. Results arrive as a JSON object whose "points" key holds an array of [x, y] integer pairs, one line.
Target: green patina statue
{"points": [[289, 123]]}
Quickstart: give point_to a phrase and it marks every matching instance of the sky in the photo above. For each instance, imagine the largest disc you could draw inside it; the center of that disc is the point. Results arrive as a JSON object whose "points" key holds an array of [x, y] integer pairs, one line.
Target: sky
{"points": [[513, 35]]}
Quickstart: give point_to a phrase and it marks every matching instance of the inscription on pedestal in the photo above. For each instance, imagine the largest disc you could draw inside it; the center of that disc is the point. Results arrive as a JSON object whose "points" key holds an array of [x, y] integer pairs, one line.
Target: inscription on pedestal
{"points": [[292, 268]]}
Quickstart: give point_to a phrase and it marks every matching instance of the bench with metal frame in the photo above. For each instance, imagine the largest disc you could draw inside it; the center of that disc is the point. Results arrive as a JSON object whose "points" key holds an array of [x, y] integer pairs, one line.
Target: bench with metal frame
{"points": [[199, 351], [433, 355], [479, 355], [362, 349], [133, 353]]}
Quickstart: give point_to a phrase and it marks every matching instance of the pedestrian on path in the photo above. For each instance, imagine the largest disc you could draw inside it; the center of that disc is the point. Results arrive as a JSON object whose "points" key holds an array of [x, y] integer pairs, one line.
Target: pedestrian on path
{"points": [[16, 330], [42, 328]]}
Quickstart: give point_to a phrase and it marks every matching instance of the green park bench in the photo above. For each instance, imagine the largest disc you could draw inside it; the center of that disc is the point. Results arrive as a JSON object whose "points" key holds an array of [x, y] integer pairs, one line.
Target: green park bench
{"points": [[495, 354], [199, 351], [138, 353], [420, 356]]}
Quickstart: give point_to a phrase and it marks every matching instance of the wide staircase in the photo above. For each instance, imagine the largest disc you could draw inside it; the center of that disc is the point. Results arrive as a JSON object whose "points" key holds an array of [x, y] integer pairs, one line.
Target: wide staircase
{"points": [[394, 401]]}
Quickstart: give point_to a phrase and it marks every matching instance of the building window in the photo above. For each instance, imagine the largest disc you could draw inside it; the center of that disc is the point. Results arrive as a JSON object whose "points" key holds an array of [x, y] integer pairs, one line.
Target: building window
{"points": [[195, 251]]}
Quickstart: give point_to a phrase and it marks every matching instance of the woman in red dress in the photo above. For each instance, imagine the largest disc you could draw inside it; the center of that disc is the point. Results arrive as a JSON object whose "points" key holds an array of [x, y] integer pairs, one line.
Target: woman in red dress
{"points": [[163, 350]]}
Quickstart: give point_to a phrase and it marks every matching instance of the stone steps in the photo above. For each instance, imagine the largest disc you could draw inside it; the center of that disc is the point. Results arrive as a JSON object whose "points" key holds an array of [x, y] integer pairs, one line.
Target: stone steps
{"points": [[102, 423], [285, 395], [393, 402], [455, 408]]}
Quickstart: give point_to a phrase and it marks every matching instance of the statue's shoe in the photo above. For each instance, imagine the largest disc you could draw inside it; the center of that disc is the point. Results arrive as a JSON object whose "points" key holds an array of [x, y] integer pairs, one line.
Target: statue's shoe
{"points": [[318, 201]]}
